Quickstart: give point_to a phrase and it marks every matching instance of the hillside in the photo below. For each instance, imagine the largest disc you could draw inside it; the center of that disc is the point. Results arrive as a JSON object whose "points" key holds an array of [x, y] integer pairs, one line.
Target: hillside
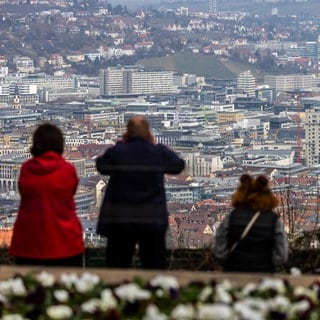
{"points": [[201, 65], [310, 7]]}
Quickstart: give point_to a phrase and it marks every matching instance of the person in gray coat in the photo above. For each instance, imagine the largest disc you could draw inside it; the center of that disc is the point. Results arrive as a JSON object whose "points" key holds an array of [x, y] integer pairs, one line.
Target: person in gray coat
{"points": [[265, 245]]}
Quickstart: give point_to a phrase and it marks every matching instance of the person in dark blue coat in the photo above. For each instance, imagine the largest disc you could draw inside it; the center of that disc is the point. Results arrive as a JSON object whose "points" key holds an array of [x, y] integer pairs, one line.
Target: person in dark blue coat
{"points": [[134, 211]]}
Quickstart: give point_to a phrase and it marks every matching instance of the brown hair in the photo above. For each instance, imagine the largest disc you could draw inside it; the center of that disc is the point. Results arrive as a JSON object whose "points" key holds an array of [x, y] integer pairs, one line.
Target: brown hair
{"points": [[137, 127], [262, 198], [47, 137], [254, 193], [240, 197]]}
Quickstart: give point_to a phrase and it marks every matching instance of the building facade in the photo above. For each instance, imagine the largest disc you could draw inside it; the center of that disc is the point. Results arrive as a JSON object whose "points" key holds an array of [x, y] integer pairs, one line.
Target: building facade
{"points": [[122, 81], [312, 136], [284, 83], [246, 82], [213, 6]]}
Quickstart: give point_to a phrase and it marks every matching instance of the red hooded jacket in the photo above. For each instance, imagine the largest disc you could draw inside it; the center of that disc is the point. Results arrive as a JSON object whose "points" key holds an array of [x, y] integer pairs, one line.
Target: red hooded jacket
{"points": [[47, 226]]}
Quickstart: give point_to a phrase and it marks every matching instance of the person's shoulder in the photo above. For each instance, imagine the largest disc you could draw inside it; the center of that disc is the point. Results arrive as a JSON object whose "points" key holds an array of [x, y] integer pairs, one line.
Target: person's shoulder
{"points": [[162, 147], [25, 165], [27, 162], [275, 214], [117, 146], [270, 213], [67, 165]]}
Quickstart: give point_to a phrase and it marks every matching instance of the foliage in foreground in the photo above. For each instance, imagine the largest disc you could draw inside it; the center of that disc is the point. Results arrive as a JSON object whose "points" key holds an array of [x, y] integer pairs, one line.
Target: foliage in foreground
{"points": [[42, 296]]}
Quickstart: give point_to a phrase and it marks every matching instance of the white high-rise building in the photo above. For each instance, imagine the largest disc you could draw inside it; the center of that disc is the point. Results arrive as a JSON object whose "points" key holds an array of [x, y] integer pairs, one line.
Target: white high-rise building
{"points": [[312, 136], [213, 6], [289, 82], [134, 81], [318, 48], [111, 81], [247, 83], [151, 82]]}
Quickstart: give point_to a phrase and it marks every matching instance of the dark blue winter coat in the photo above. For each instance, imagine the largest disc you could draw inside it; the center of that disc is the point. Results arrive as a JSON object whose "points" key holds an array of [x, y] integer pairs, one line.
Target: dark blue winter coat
{"points": [[135, 192]]}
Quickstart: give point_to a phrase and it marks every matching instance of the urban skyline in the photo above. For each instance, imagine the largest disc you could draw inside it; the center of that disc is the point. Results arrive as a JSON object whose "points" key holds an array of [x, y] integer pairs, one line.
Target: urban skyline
{"points": [[228, 92]]}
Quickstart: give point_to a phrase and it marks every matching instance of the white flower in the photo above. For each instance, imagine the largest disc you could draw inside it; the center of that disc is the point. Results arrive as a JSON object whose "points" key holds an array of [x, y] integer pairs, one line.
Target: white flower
{"points": [[302, 291], [91, 305], [153, 313], [13, 316], [61, 295], [221, 295], [246, 312], [272, 284], [298, 307], [159, 293], [215, 311], [86, 282], [83, 286], [46, 279], [295, 272], [69, 279], [183, 312], [205, 293], [13, 286], [3, 299], [165, 282], [225, 284], [258, 304], [90, 278], [108, 301], [279, 303], [132, 292], [248, 288], [18, 287], [58, 312]]}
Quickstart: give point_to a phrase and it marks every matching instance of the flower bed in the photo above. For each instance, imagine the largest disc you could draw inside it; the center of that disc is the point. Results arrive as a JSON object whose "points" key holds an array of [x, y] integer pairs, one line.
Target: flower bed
{"points": [[86, 296]]}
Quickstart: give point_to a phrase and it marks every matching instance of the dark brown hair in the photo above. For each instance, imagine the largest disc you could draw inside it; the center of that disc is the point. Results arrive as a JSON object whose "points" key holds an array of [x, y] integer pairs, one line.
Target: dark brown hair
{"points": [[254, 193], [262, 198], [137, 127], [244, 189], [47, 137]]}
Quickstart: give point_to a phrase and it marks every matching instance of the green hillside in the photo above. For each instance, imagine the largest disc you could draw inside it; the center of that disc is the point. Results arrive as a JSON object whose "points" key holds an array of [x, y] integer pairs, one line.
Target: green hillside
{"points": [[201, 65]]}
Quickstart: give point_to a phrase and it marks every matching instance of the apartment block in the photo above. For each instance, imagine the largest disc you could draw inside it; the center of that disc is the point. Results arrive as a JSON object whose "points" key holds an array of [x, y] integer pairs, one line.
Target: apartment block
{"points": [[312, 136], [284, 83], [111, 81], [121, 81]]}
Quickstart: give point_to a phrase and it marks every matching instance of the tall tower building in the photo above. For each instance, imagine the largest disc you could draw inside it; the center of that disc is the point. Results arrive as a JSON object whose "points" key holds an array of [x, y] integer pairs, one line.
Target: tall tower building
{"points": [[111, 81], [247, 83], [312, 136], [213, 6]]}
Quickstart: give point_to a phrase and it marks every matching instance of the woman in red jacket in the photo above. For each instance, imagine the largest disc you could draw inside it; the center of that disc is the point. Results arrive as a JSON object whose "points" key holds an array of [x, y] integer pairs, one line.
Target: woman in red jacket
{"points": [[47, 230]]}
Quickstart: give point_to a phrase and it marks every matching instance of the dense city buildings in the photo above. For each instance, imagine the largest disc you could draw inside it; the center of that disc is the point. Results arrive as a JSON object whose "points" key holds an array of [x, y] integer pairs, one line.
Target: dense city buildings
{"points": [[223, 88], [312, 137]]}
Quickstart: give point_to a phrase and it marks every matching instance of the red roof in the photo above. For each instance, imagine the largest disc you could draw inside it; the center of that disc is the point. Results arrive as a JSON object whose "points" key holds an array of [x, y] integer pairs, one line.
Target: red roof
{"points": [[5, 236]]}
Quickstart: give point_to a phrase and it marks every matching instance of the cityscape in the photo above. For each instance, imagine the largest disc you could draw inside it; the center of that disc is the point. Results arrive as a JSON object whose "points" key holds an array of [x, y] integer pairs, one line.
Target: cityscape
{"points": [[231, 91]]}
